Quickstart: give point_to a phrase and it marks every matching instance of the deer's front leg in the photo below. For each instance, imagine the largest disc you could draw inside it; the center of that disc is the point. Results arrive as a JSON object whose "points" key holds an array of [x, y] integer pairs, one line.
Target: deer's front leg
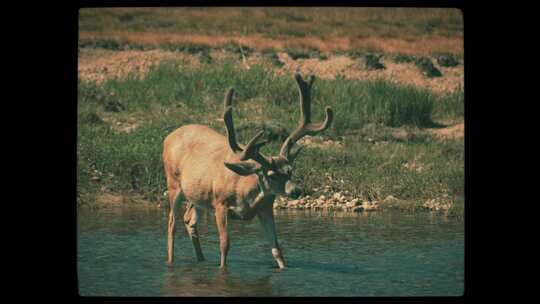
{"points": [[221, 221], [266, 216]]}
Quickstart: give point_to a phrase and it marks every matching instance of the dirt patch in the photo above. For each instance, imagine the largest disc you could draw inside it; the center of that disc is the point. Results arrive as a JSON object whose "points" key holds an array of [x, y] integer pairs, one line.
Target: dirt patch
{"points": [[99, 65], [121, 123], [399, 73], [107, 198], [450, 133], [319, 142]]}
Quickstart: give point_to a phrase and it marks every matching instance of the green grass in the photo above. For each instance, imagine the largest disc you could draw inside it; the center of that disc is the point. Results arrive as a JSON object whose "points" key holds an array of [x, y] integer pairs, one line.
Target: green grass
{"points": [[173, 95], [403, 58], [119, 45]]}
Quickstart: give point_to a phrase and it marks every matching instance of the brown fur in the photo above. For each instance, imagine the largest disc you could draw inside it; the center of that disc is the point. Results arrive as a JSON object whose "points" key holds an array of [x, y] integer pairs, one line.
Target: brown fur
{"points": [[197, 153], [180, 153]]}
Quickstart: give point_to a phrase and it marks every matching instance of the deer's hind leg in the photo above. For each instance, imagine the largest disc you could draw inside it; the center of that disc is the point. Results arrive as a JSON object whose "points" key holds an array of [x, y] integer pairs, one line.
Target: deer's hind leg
{"points": [[191, 217], [176, 198]]}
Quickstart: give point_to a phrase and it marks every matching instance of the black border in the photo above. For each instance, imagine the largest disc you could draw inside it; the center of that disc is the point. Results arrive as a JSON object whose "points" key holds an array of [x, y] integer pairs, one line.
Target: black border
{"points": [[67, 21]]}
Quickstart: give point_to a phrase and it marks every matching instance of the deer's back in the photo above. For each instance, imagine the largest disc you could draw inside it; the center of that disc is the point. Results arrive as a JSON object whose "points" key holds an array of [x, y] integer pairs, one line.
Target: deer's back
{"points": [[194, 156]]}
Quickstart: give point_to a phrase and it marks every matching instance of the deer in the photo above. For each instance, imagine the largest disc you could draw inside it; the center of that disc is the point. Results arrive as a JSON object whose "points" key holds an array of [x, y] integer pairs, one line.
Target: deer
{"points": [[207, 170]]}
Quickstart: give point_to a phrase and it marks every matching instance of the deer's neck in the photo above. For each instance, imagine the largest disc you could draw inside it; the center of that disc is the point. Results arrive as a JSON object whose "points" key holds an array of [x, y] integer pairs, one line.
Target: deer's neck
{"points": [[248, 187]]}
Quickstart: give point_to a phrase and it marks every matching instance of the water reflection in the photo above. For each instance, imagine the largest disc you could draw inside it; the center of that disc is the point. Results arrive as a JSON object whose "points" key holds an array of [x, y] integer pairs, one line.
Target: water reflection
{"points": [[212, 281]]}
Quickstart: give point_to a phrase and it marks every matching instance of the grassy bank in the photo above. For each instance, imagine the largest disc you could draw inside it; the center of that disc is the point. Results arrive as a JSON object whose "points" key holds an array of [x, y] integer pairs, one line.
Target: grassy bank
{"points": [[386, 148]]}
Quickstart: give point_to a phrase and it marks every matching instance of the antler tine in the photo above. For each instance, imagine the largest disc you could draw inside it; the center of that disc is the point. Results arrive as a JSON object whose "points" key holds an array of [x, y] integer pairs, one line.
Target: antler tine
{"points": [[227, 118], [305, 126], [251, 150], [251, 147], [304, 89]]}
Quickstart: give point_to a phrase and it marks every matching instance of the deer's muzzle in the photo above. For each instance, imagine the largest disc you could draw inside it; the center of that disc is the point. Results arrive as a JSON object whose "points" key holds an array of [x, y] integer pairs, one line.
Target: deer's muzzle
{"points": [[292, 190]]}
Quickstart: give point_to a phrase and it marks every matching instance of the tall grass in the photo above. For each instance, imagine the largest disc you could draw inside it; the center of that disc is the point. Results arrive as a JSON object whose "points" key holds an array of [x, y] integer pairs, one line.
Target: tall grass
{"points": [[355, 103]]}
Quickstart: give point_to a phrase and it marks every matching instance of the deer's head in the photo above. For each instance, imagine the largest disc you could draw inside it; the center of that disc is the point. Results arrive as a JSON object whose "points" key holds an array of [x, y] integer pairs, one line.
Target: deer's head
{"points": [[274, 172]]}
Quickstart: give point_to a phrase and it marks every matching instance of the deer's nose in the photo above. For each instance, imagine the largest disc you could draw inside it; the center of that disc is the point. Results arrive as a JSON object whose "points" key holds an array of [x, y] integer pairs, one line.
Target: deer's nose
{"points": [[292, 190]]}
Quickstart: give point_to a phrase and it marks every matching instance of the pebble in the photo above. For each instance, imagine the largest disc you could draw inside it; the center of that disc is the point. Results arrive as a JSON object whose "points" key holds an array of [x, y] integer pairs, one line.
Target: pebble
{"points": [[343, 201]]}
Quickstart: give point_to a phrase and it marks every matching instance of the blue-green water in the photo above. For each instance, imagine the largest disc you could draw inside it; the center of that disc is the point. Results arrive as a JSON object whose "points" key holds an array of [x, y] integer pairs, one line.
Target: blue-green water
{"points": [[122, 252]]}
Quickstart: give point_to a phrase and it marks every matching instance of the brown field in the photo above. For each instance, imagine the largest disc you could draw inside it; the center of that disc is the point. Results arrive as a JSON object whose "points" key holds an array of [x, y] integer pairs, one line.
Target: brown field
{"points": [[413, 31]]}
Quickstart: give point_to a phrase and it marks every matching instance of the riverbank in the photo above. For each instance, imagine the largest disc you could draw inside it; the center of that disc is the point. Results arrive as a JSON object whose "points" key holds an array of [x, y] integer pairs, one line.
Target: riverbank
{"points": [[336, 202]]}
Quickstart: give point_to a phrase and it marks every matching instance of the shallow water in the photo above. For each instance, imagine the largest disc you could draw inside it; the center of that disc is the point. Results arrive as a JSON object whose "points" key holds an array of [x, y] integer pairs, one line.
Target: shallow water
{"points": [[122, 252]]}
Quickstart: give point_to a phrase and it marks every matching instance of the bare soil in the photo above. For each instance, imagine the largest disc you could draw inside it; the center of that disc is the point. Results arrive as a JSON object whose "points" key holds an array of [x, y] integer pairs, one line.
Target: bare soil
{"points": [[99, 65], [449, 133]]}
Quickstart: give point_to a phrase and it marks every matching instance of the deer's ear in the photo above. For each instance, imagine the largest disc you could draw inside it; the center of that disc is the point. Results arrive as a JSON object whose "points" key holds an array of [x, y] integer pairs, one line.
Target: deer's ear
{"points": [[244, 168]]}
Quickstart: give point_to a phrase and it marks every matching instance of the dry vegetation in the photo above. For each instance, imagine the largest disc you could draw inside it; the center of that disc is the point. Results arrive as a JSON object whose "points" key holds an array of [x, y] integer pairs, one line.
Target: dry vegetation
{"points": [[418, 31]]}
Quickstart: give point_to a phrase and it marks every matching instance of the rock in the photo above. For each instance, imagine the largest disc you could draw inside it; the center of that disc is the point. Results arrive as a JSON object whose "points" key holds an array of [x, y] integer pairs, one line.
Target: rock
{"points": [[447, 60], [370, 206], [425, 65], [113, 106], [91, 119], [390, 200], [205, 57], [372, 62], [358, 209], [277, 206], [436, 204], [353, 203]]}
